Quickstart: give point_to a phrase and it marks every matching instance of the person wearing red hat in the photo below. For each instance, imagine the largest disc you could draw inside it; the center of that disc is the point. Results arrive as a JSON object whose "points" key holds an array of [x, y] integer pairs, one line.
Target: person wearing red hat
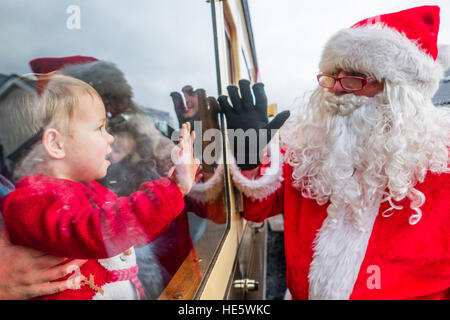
{"points": [[363, 173], [57, 208]]}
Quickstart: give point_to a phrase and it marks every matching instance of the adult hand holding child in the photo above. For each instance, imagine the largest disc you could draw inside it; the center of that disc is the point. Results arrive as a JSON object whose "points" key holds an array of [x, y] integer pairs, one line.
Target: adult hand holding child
{"points": [[29, 273]]}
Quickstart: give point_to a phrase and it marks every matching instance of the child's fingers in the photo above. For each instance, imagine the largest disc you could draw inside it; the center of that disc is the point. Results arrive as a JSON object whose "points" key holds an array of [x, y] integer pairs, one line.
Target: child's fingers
{"points": [[184, 134], [176, 154], [171, 171], [187, 128], [180, 143], [196, 164], [182, 131], [198, 177]]}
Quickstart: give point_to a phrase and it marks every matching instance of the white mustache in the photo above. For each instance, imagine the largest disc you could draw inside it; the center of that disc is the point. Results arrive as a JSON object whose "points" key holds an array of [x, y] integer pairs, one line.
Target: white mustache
{"points": [[345, 104]]}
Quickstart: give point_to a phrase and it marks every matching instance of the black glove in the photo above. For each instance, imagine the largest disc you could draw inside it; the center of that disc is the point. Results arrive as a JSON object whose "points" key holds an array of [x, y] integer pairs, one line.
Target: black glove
{"points": [[248, 114]]}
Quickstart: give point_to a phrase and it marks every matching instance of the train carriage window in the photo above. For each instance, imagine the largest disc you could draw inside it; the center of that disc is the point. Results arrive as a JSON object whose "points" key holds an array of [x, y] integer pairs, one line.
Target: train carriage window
{"points": [[147, 60]]}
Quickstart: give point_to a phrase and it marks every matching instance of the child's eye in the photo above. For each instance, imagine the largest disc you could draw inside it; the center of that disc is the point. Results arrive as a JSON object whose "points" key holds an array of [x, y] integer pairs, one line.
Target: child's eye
{"points": [[101, 127]]}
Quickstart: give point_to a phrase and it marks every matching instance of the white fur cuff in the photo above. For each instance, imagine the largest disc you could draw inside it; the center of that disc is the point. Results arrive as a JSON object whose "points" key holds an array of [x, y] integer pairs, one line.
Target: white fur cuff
{"points": [[266, 185], [208, 191]]}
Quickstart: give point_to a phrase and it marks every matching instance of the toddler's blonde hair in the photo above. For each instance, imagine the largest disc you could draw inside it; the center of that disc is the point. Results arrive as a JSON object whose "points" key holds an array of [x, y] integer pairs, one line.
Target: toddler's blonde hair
{"points": [[59, 98]]}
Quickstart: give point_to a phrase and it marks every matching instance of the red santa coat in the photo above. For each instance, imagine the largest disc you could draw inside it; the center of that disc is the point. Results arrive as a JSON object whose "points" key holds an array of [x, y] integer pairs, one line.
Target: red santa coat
{"points": [[393, 260], [88, 221]]}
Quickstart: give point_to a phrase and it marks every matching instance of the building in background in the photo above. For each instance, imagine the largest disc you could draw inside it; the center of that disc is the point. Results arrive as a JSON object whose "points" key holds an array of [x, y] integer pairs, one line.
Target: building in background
{"points": [[442, 96]]}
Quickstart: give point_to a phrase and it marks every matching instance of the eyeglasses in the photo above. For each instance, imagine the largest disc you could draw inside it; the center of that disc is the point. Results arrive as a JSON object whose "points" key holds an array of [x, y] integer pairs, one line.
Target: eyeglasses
{"points": [[349, 83]]}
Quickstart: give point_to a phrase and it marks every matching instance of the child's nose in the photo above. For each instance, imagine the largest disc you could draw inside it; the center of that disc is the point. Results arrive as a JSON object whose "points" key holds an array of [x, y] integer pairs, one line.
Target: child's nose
{"points": [[109, 138]]}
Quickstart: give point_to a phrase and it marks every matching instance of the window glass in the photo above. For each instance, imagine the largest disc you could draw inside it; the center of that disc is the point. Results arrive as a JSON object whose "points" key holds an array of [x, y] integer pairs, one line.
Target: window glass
{"points": [[147, 60]]}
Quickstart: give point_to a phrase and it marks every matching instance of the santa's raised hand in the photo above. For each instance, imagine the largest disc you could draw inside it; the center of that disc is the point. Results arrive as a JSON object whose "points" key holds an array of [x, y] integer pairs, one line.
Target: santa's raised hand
{"points": [[247, 113]]}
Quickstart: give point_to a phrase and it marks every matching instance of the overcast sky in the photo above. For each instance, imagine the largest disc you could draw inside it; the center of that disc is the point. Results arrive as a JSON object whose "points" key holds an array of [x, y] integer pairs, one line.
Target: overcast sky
{"points": [[290, 35]]}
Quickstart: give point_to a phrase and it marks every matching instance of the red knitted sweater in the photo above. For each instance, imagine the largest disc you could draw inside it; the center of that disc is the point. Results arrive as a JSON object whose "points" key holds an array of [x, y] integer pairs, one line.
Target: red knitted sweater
{"points": [[88, 221]]}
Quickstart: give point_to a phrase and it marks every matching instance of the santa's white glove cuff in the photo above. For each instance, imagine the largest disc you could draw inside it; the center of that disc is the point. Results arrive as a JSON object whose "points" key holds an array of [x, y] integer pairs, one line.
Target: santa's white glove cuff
{"points": [[263, 186]]}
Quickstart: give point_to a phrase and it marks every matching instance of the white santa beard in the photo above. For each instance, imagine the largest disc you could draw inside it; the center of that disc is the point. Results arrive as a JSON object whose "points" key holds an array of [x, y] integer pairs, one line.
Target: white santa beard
{"points": [[350, 161], [337, 153], [379, 146], [336, 163]]}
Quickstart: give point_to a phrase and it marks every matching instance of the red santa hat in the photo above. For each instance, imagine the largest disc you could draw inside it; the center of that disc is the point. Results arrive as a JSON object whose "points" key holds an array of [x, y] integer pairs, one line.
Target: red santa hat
{"points": [[103, 76], [399, 47], [46, 65]]}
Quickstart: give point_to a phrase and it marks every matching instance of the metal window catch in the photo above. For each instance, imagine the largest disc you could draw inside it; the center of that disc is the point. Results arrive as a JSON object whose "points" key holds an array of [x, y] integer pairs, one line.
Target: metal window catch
{"points": [[246, 284]]}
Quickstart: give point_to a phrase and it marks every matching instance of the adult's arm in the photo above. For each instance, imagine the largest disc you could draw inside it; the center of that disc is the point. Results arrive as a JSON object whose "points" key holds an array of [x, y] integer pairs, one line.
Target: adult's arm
{"points": [[262, 187]]}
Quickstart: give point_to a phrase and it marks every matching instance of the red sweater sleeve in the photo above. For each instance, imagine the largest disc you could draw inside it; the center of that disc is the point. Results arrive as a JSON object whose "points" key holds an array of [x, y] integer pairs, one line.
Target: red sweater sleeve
{"points": [[259, 210], [74, 220]]}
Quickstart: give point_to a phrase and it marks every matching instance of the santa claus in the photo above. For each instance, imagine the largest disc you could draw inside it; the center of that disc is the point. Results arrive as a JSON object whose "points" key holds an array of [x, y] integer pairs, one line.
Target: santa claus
{"points": [[363, 175]]}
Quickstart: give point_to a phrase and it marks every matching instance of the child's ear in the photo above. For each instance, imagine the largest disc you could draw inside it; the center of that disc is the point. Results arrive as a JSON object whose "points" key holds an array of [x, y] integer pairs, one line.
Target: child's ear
{"points": [[53, 144]]}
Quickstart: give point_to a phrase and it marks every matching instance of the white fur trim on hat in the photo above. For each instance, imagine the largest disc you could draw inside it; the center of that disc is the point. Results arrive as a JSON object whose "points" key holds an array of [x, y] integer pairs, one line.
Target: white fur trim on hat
{"points": [[384, 53], [264, 186]]}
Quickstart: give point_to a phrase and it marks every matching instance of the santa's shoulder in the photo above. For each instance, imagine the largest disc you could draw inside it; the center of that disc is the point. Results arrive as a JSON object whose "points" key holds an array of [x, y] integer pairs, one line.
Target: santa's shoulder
{"points": [[435, 182]]}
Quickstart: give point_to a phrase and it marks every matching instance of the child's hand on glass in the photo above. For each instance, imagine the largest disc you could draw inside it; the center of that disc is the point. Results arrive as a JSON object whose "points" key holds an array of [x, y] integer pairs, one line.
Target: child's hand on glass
{"points": [[186, 166]]}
